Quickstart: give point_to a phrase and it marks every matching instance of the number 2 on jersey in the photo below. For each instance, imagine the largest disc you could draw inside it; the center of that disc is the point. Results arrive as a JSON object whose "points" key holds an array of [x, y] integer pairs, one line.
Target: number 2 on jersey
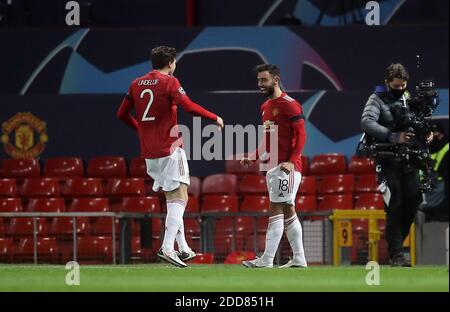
{"points": [[149, 104]]}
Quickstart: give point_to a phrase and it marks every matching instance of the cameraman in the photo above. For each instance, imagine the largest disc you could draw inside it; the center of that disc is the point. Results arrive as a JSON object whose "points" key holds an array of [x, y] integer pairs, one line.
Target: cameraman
{"points": [[403, 196]]}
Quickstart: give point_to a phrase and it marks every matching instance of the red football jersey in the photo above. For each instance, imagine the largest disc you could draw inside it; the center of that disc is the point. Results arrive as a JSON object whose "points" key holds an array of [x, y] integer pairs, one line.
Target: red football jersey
{"points": [[155, 97], [287, 114]]}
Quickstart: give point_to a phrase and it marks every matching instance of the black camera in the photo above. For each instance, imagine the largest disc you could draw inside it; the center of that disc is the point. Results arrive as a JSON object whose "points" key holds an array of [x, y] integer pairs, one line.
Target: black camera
{"points": [[416, 118]]}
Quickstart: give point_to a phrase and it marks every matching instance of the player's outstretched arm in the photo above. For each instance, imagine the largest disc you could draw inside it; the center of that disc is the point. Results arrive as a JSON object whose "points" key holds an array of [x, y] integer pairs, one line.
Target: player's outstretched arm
{"points": [[124, 112], [196, 110], [179, 96]]}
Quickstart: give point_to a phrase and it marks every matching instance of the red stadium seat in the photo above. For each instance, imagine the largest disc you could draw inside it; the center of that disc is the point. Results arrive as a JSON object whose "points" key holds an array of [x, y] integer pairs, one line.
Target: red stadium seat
{"points": [[149, 189], [2, 228], [255, 204], [46, 205], [138, 168], [195, 187], [382, 225], [63, 226], [370, 201], [262, 223], [45, 187], [328, 164], [137, 252], [89, 187], [64, 168], [103, 226], [225, 224], [360, 226], [20, 168], [8, 188], [307, 203], [126, 187], [337, 184], [157, 228], [252, 203], [89, 205], [223, 244], [192, 226], [24, 226], [259, 240], [192, 232], [148, 204], [225, 184], [238, 256], [308, 185], [204, 258], [220, 203], [366, 183], [192, 205], [95, 248], [233, 166], [336, 202], [10, 205], [47, 249], [107, 167], [360, 165], [6, 249], [305, 165], [253, 185]]}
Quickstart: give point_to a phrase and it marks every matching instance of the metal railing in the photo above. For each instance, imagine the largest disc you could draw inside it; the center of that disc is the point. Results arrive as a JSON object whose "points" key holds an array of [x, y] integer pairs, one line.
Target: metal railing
{"points": [[207, 229]]}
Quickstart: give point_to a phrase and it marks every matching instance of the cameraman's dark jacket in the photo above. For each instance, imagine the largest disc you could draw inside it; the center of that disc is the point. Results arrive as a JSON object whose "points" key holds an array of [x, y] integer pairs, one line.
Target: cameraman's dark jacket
{"points": [[377, 120]]}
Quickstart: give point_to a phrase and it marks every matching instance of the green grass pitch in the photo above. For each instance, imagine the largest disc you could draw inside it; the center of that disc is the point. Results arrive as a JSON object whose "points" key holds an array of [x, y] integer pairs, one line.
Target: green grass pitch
{"points": [[208, 278]]}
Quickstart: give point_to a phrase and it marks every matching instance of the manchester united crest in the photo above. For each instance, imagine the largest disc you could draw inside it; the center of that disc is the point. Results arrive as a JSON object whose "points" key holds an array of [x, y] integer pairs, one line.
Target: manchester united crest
{"points": [[268, 126], [24, 136]]}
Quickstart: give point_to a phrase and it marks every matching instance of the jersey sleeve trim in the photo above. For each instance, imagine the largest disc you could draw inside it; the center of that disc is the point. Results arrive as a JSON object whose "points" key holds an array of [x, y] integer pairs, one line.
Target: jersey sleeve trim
{"points": [[296, 118]]}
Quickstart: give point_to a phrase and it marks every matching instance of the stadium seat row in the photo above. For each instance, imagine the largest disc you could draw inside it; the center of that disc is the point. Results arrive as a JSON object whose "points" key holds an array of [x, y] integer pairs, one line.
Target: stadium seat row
{"points": [[210, 203], [49, 249], [116, 167], [223, 184]]}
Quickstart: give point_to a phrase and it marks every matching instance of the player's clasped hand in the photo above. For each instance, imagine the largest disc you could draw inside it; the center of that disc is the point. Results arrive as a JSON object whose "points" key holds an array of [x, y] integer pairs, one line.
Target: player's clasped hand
{"points": [[219, 122], [246, 162], [287, 167]]}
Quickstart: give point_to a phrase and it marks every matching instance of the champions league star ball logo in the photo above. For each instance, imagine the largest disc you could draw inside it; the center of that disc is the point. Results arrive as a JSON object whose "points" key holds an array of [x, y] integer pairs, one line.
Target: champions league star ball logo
{"points": [[24, 136]]}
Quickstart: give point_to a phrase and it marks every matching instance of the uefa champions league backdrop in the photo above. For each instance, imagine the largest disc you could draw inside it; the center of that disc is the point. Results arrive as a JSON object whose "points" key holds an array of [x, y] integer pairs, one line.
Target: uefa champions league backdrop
{"points": [[74, 80]]}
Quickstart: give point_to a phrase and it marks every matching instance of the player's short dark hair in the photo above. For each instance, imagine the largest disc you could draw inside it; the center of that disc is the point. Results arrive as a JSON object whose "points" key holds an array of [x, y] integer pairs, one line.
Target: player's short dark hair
{"points": [[272, 69], [396, 70], [162, 56]]}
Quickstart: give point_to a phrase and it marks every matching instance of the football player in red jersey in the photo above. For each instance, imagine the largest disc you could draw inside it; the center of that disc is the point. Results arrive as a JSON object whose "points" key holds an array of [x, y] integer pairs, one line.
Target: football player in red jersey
{"points": [[282, 114], [155, 97]]}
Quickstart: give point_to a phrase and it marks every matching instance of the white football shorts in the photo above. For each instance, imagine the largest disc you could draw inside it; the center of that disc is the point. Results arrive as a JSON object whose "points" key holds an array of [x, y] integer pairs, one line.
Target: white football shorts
{"points": [[168, 172], [283, 187]]}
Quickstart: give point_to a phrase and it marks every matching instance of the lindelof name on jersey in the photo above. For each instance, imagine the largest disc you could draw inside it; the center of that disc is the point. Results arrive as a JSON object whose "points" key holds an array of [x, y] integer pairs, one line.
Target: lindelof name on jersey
{"points": [[148, 82], [269, 126]]}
